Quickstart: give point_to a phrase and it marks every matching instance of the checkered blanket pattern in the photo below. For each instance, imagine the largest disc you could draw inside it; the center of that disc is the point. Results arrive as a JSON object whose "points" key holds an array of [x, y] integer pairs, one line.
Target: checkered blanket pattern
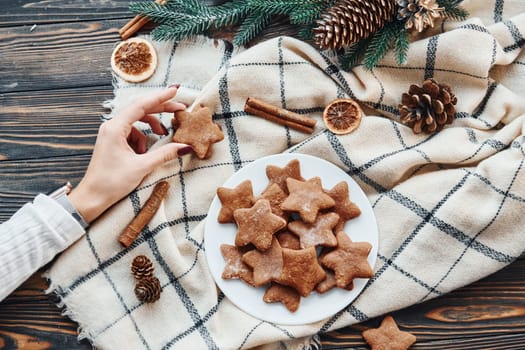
{"points": [[449, 206]]}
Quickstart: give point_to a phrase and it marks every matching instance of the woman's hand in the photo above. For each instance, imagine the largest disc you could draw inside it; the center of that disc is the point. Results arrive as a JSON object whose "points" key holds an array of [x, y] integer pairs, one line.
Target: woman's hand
{"points": [[119, 161]]}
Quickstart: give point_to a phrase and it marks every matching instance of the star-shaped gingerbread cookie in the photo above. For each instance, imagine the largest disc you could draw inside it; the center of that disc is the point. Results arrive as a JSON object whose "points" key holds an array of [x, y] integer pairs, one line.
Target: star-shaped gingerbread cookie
{"points": [[196, 128], [388, 336], [306, 198], [234, 267], [234, 198], [284, 294], [344, 207], [257, 225], [288, 240], [317, 233], [276, 196], [329, 282], [349, 260], [279, 175], [301, 270], [266, 265]]}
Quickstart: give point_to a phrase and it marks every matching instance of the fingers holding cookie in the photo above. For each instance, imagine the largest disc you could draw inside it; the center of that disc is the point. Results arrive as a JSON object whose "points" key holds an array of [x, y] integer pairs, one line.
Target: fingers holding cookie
{"points": [[197, 129]]}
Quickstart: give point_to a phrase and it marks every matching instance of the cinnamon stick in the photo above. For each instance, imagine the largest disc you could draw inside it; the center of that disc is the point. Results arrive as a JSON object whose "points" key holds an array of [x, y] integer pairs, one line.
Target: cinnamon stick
{"points": [[281, 112], [135, 24], [128, 25], [278, 120], [145, 214]]}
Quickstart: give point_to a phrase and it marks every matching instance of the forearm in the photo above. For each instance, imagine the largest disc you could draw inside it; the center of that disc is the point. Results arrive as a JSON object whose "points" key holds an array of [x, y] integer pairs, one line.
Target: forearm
{"points": [[31, 238]]}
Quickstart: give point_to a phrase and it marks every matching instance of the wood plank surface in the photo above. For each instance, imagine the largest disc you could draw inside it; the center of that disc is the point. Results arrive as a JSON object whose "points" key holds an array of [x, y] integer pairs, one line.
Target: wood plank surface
{"points": [[27, 13], [50, 123], [55, 77], [57, 56]]}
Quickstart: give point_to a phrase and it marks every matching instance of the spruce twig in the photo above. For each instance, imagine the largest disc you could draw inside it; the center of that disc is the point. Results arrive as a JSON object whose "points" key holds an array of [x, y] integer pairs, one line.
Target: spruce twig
{"points": [[251, 27], [452, 9], [380, 43], [306, 32], [401, 43], [353, 54]]}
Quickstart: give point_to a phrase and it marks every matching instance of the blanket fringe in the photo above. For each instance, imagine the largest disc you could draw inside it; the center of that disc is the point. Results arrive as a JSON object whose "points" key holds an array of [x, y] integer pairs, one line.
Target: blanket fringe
{"points": [[59, 292]]}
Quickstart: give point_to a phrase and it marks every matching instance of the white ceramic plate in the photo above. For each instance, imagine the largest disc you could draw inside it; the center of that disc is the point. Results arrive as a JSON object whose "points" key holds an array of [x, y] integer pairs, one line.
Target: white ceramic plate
{"points": [[315, 307]]}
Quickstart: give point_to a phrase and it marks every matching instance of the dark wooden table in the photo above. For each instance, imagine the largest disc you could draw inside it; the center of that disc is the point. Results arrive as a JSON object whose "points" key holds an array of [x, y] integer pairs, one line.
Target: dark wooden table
{"points": [[55, 75]]}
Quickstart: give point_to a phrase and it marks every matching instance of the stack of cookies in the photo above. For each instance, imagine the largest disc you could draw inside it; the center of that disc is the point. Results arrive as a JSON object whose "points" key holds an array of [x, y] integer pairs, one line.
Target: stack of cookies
{"points": [[290, 237]]}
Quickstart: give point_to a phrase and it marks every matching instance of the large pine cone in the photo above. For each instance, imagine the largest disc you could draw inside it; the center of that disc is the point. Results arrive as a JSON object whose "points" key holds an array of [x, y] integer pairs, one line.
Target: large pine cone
{"points": [[428, 108], [142, 267], [349, 21], [148, 289]]}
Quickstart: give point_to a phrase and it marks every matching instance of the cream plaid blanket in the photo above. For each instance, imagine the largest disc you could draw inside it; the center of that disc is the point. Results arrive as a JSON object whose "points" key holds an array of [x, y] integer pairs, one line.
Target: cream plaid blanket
{"points": [[449, 206]]}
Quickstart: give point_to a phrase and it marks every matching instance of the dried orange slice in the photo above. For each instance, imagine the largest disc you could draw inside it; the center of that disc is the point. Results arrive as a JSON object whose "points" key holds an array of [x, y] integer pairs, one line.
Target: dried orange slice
{"points": [[342, 116], [134, 60]]}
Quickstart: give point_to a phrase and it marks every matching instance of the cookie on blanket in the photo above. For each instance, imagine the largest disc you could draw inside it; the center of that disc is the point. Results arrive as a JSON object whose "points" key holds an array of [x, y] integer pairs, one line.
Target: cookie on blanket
{"points": [[231, 199], [266, 265], [276, 196], [301, 270], [284, 294], [257, 225], [279, 175], [306, 198], [318, 233], [235, 267], [197, 129], [388, 336], [288, 240], [344, 207], [348, 260]]}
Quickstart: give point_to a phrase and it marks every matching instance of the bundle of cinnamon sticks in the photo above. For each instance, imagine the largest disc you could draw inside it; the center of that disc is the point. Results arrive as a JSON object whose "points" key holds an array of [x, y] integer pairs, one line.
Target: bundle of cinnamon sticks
{"points": [[136, 23], [279, 115]]}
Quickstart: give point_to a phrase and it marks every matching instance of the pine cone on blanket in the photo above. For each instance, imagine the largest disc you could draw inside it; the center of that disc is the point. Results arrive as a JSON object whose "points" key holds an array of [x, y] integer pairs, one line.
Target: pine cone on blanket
{"points": [[148, 289], [142, 267], [349, 21], [428, 108], [418, 14]]}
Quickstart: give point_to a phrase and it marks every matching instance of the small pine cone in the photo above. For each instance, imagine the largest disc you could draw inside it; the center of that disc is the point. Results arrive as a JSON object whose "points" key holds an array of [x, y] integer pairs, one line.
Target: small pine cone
{"points": [[148, 289], [142, 267], [349, 21], [428, 108], [418, 14]]}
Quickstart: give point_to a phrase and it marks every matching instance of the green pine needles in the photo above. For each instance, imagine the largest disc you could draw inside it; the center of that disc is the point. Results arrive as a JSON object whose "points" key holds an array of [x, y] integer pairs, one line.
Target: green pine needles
{"points": [[179, 19]]}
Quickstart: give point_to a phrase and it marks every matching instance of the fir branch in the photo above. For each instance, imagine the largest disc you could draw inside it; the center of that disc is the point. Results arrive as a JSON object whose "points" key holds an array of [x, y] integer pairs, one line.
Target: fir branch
{"points": [[230, 13], [251, 27], [157, 13], [306, 32], [167, 32], [452, 9], [183, 19], [306, 14], [276, 7], [194, 7], [401, 43], [380, 43], [353, 54]]}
